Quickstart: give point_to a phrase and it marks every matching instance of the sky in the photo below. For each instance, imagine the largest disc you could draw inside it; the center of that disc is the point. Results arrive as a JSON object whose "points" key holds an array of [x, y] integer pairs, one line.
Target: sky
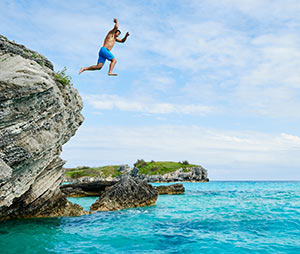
{"points": [[214, 82]]}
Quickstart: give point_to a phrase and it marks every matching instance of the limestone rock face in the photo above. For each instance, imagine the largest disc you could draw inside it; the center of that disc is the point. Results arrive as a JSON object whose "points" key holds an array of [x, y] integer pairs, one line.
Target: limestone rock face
{"points": [[129, 192], [127, 170], [38, 114], [195, 174]]}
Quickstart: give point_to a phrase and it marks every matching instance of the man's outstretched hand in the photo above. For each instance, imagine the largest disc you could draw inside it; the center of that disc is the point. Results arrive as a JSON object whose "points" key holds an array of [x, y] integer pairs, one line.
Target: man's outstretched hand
{"points": [[115, 20], [127, 34]]}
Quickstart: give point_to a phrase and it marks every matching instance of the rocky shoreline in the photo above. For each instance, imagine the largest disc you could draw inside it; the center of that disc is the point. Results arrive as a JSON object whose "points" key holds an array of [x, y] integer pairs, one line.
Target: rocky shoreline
{"points": [[39, 112], [192, 174], [97, 188]]}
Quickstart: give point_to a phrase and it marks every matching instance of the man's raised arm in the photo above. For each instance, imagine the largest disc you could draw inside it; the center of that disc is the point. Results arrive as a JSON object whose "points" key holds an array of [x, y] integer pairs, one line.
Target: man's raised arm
{"points": [[116, 27], [124, 39]]}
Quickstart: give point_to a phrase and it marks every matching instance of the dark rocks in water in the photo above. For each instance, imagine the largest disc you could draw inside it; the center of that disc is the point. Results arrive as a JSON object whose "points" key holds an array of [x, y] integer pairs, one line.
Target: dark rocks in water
{"points": [[57, 206], [170, 189], [97, 188], [86, 189], [3, 232], [38, 114], [129, 192]]}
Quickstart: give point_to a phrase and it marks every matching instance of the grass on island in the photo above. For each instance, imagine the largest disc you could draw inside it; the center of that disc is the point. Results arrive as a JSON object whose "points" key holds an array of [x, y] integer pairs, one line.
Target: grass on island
{"points": [[105, 171], [145, 168], [161, 167]]}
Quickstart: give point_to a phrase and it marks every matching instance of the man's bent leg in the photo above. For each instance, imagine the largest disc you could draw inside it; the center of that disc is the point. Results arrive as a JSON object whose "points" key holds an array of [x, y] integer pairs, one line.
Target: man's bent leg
{"points": [[91, 68], [111, 67]]}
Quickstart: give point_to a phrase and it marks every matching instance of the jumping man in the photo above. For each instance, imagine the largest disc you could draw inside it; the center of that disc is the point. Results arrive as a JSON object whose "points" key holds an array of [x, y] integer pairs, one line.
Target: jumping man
{"points": [[105, 53]]}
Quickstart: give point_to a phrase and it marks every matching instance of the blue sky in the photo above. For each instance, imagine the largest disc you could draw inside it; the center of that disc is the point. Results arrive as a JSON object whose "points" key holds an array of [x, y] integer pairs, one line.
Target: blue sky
{"points": [[213, 82]]}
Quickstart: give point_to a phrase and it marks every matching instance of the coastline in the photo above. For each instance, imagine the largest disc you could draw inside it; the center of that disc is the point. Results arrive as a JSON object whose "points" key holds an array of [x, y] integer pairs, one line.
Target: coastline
{"points": [[225, 219]]}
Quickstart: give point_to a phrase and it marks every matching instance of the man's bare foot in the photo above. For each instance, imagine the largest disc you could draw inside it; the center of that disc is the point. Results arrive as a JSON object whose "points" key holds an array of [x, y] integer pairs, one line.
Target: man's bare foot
{"points": [[81, 70], [112, 74]]}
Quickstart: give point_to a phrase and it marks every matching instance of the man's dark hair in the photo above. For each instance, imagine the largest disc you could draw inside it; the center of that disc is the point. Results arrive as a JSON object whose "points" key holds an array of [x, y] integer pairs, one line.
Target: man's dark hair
{"points": [[118, 31]]}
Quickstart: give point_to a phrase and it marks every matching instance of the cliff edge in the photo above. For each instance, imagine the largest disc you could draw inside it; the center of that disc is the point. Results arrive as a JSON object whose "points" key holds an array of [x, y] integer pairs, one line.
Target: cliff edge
{"points": [[39, 113]]}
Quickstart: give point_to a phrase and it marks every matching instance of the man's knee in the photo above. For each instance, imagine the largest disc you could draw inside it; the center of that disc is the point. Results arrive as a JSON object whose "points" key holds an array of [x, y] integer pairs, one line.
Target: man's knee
{"points": [[113, 60], [99, 66]]}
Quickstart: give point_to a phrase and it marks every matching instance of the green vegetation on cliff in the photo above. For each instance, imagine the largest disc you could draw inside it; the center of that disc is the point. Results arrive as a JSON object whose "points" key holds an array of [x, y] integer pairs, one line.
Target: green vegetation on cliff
{"points": [[63, 78], [161, 167], [105, 171]]}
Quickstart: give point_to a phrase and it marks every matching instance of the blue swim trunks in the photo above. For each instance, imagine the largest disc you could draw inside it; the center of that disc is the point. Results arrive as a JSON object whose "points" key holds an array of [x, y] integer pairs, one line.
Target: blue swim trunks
{"points": [[104, 54]]}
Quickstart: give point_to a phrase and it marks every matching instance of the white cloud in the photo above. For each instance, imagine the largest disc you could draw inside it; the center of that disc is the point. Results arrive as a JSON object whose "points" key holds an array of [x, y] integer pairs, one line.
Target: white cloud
{"points": [[161, 83], [273, 11], [246, 152], [271, 87], [266, 81], [184, 57], [254, 69], [111, 102], [291, 139]]}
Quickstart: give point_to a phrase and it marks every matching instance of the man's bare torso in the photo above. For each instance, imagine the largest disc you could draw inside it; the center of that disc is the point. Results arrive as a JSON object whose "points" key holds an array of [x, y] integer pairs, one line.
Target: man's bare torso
{"points": [[110, 40]]}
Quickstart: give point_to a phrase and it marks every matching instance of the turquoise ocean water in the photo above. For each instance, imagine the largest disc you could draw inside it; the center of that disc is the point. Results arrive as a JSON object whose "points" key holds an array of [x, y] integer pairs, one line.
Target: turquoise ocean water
{"points": [[215, 217]]}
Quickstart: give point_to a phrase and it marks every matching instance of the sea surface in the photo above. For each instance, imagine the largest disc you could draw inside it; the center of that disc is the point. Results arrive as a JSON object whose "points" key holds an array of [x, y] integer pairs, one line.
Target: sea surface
{"points": [[214, 217]]}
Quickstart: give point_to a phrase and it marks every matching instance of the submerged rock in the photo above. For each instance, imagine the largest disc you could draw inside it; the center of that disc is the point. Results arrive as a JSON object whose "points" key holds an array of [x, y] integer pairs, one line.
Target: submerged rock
{"points": [[129, 192], [170, 189], [38, 114]]}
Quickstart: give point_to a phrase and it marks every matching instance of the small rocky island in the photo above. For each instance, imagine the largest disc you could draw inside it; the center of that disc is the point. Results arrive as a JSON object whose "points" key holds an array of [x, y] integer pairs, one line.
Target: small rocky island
{"points": [[153, 171], [40, 111], [86, 181]]}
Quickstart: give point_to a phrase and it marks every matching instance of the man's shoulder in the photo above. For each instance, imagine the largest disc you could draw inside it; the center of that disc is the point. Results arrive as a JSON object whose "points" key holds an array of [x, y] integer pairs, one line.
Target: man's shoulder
{"points": [[110, 36]]}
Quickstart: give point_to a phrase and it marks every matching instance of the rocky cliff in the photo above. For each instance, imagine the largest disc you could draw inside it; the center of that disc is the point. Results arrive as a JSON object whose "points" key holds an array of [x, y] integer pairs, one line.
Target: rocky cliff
{"points": [[38, 114]]}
